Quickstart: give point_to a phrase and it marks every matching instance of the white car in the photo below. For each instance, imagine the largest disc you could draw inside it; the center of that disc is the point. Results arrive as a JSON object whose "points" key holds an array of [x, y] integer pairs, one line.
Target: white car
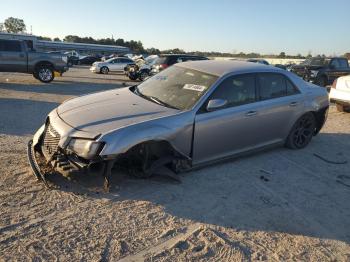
{"points": [[340, 93], [111, 65]]}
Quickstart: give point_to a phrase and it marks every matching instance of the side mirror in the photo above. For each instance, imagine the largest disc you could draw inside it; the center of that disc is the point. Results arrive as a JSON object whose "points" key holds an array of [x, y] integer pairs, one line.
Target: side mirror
{"points": [[216, 104]]}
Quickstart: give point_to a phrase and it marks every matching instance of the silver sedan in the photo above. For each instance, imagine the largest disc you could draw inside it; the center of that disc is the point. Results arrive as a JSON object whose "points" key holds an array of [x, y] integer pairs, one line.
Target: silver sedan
{"points": [[188, 115]]}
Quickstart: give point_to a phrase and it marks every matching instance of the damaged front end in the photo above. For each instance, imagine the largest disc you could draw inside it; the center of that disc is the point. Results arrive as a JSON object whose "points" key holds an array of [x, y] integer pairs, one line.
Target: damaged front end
{"points": [[47, 152], [70, 156]]}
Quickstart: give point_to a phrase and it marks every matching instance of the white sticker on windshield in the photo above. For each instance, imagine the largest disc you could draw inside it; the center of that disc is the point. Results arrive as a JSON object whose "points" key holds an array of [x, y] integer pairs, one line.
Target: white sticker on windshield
{"points": [[197, 88]]}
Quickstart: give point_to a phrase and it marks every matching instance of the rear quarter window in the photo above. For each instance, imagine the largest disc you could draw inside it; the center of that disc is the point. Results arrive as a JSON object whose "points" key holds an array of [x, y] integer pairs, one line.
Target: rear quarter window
{"points": [[274, 85]]}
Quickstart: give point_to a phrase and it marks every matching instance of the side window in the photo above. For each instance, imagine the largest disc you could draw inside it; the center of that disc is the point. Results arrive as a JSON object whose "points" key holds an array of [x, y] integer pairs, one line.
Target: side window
{"points": [[335, 63], [125, 60], [10, 46], [343, 63], [116, 61], [29, 44], [275, 85], [2, 46], [237, 90], [291, 89]]}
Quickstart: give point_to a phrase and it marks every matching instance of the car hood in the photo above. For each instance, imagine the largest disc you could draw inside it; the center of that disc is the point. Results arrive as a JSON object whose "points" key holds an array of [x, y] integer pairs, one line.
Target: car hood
{"points": [[99, 63], [103, 112]]}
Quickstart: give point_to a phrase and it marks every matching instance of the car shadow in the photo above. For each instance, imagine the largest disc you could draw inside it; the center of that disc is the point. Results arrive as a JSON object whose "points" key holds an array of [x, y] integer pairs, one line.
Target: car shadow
{"points": [[279, 190]]}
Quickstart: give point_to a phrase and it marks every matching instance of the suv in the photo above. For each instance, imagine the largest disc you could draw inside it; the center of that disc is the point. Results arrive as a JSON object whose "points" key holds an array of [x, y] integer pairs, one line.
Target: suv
{"points": [[322, 71], [16, 57], [164, 61]]}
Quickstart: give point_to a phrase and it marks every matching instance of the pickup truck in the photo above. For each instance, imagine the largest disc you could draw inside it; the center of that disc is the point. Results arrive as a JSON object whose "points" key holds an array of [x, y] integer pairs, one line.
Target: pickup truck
{"points": [[15, 56], [322, 71]]}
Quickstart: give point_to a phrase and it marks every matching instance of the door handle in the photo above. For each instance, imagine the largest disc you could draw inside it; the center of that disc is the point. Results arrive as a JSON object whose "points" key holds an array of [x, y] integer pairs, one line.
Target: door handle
{"points": [[293, 104], [21, 55], [251, 113]]}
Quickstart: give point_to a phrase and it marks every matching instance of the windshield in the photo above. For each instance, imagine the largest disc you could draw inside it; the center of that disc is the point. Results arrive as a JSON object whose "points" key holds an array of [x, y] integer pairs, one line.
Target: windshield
{"points": [[316, 62], [177, 87]]}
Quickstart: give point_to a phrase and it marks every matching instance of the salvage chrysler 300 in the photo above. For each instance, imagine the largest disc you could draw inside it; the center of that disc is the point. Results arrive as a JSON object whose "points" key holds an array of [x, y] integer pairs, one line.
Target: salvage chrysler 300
{"points": [[188, 115]]}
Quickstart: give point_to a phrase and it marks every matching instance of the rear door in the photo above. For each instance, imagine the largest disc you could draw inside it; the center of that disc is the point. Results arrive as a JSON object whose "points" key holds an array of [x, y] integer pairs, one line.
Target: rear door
{"points": [[114, 65], [13, 57], [280, 104]]}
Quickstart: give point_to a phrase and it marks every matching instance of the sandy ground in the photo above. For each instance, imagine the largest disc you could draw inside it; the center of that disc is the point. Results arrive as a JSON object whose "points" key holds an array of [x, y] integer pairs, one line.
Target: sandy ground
{"points": [[279, 205]]}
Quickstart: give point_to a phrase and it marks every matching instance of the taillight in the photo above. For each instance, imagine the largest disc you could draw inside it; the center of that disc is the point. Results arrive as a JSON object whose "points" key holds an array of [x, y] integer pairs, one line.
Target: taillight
{"points": [[163, 66], [334, 85]]}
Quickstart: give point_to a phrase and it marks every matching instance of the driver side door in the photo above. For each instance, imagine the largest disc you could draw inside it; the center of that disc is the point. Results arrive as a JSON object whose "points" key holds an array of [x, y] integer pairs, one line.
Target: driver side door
{"points": [[232, 129]]}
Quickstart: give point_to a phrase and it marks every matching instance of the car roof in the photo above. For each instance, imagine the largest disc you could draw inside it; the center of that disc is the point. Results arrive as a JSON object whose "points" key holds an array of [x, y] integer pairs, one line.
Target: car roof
{"points": [[223, 67]]}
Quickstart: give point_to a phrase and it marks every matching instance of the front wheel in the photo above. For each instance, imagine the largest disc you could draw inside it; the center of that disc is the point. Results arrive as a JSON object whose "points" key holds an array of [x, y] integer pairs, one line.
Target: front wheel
{"points": [[302, 132], [44, 74], [104, 70]]}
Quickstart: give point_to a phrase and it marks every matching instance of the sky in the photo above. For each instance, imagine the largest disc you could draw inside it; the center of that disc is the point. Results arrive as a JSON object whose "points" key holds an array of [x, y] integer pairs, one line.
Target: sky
{"points": [[262, 26]]}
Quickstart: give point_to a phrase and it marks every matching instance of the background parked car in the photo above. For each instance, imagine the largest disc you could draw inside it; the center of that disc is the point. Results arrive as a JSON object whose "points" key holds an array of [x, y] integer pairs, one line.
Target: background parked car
{"points": [[142, 68], [16, 57], [340, 93], [322, 71], [111, 65], [164, 61]]}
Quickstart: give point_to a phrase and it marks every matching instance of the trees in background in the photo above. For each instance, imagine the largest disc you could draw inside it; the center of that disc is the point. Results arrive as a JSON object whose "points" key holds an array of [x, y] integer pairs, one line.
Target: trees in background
{"points": [[14, 25]]}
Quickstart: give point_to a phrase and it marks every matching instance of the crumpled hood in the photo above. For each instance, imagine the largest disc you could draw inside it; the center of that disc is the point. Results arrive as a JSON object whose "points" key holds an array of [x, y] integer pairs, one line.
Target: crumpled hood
{"points": [[106, 111]]}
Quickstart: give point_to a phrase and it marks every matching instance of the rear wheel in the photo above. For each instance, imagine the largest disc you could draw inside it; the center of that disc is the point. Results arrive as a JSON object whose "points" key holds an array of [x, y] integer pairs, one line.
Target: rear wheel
{"points": [[302, 132], [44, 73], [104, 70]]}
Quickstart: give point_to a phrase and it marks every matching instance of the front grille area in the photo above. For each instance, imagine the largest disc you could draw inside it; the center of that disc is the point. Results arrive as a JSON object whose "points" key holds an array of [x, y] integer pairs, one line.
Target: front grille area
{"points": [[50, 141]]}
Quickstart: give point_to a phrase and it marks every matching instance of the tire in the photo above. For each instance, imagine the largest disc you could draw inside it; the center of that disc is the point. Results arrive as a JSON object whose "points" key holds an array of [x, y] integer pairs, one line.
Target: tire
{"points": [[302, 132], [321, 81], [44, 74], [143, 76], [342, 108], [104, 70]]}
